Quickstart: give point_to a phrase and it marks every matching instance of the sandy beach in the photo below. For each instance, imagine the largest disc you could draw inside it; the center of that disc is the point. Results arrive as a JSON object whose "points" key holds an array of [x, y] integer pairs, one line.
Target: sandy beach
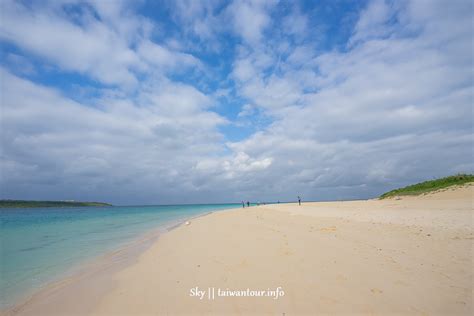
{"points": [[409, 255]]}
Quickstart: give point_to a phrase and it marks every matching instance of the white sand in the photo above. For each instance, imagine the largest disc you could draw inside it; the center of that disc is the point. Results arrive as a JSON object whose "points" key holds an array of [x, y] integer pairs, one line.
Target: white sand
{"points": [[407, 256]]}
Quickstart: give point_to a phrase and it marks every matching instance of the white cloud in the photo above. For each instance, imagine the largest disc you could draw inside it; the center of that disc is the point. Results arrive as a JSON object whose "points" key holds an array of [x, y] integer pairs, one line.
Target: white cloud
{"points": [[243, 163], [296, 24], [244, 70], [165, 58], [300, 55], [373, 21], [250, 18], [200, 22], [247, 110], [102, 40], [388, 110], [91, 47], [119, 147]]}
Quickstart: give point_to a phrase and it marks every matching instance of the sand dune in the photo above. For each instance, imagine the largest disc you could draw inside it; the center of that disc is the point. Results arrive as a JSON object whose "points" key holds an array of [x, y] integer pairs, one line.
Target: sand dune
{"points": [[412, 255]]}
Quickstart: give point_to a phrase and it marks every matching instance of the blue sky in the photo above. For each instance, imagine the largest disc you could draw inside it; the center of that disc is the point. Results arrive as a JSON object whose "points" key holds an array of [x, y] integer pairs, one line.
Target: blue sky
{"points": [[135, 102]]}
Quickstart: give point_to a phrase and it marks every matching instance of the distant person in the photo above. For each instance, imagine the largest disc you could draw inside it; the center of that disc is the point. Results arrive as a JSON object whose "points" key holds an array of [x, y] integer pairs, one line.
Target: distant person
{"points": [[243, 204], [248, 204], [299, 200]]}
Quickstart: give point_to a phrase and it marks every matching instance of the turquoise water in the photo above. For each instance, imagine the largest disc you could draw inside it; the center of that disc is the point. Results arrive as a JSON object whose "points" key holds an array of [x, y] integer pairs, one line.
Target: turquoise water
{"points": [[38, 245]]}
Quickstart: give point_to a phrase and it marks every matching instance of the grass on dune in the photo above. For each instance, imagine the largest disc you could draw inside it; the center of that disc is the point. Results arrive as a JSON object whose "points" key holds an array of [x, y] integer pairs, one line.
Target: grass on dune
{"points": [[429, 186]]}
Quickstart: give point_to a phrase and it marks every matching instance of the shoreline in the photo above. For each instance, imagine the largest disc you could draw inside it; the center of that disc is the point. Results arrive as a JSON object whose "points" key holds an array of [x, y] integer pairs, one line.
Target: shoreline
{"points": [[109, 262], [411, 256]]}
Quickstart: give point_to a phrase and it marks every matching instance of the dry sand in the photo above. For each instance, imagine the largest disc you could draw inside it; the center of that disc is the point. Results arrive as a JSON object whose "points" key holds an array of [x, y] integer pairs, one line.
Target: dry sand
{"points": [[397, 256]]}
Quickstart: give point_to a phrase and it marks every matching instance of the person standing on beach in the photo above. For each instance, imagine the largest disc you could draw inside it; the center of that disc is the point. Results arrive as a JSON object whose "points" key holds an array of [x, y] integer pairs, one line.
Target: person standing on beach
{"points": [[248, 204], [243, 204], [299, 200]]}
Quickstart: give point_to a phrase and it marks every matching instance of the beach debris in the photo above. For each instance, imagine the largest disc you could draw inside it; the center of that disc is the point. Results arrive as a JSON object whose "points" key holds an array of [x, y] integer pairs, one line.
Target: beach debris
{"points": [[187, 223]]}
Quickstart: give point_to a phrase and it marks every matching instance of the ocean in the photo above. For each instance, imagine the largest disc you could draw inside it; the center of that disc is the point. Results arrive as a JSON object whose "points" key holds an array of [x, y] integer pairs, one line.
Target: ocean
{"points": [[42, 245]]}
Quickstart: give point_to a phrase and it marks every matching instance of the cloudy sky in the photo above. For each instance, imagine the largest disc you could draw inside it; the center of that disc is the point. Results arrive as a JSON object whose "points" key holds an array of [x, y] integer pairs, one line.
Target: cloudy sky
{"points": [[142, 102]]}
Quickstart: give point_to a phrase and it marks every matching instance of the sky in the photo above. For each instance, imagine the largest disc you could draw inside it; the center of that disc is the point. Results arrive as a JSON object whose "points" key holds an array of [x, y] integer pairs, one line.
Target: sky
{"points": [[166, 102]]}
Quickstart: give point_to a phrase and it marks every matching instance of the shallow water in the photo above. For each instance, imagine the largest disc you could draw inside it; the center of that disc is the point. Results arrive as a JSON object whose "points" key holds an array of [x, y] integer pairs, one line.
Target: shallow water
{"points": [[39, 245]]}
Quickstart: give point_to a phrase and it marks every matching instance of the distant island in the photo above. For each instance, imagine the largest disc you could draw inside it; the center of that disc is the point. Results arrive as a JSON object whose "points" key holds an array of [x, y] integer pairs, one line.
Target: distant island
{"points": [[26, 203], [430, 186]]}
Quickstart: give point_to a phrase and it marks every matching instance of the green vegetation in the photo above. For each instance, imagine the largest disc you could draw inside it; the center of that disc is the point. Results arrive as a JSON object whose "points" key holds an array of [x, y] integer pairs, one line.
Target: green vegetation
{"points": [[432, 185], [23, 203]]}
